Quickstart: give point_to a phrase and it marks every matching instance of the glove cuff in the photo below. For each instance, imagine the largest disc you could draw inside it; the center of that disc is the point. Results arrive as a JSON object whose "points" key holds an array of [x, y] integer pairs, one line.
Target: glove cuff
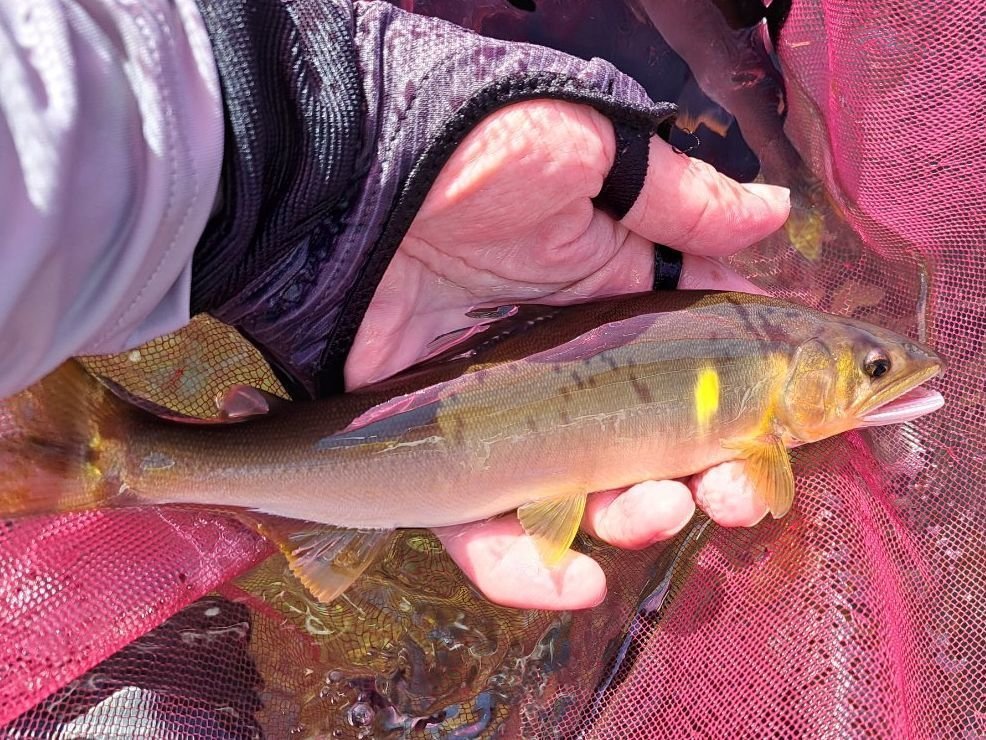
{"points": [[340, 118]]}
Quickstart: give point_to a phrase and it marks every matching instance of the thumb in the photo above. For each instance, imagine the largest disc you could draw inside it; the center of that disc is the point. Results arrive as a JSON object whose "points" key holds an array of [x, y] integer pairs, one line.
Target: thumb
{"points": [[688, 205]]}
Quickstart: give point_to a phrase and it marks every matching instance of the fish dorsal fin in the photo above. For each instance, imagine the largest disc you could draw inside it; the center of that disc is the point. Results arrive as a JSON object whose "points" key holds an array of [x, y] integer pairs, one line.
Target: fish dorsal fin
{"points": [[146, 404], [553, 524], [768, 466], [324, 558], [235, 404]]}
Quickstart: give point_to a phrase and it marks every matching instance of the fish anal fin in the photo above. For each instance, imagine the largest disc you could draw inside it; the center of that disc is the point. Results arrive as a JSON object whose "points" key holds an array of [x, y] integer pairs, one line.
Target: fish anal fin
{"points": [[553, 524], [326, 559], [768, 466]]}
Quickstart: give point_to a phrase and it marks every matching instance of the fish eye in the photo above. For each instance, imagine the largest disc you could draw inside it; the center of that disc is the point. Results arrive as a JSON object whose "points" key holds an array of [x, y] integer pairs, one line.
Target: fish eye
{"points": [[877, 364]]}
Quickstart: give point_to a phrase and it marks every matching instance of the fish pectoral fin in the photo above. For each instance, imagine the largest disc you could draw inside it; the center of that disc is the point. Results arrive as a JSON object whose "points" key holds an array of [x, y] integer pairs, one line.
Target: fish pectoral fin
{"points": [[553, 524], [768, 465], [324, 558]]}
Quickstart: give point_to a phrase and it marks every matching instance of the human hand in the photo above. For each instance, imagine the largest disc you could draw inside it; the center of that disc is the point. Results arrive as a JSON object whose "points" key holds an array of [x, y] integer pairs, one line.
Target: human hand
{"points": [[510, 219]]}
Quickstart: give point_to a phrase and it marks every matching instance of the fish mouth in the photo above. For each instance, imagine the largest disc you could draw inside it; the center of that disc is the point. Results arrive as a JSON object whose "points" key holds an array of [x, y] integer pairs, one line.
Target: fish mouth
{"points": [[906, 401]]}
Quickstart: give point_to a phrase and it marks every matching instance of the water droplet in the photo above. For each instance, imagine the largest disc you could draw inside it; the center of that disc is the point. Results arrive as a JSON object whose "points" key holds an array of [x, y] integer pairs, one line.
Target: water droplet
{"points": [[360, 715], [134, 356]]}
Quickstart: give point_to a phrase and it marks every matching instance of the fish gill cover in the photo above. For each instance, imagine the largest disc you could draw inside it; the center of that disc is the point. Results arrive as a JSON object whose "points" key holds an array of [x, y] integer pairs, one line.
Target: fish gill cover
{"points": [[859, 614]]}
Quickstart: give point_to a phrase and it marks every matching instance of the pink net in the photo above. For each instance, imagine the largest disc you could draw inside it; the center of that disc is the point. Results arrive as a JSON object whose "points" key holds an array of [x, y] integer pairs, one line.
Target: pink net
{"points": [[859, 615]]}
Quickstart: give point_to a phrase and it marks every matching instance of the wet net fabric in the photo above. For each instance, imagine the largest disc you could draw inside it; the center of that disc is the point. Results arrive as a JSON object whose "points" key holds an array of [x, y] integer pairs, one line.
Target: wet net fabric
{"points": [[858, 615]]}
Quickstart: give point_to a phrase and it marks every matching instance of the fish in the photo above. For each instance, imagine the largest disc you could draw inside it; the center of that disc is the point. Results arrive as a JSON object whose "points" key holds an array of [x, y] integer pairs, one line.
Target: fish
{"points": [[542, 406]]}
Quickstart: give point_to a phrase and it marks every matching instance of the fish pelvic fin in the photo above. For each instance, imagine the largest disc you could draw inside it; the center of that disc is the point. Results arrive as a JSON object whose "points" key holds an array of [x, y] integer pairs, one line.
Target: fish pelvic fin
{"points": [[768, 465], [553, 524], [61, 445], [326, 559]]}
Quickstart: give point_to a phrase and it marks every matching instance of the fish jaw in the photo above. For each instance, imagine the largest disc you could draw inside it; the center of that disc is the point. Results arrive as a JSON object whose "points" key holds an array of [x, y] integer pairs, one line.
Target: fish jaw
{"points": [[912, 405], [905, 399]]}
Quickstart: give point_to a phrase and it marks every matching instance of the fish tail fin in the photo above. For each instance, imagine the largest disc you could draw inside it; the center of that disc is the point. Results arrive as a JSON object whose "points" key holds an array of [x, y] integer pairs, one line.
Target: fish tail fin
{"points": [[61, 445]]}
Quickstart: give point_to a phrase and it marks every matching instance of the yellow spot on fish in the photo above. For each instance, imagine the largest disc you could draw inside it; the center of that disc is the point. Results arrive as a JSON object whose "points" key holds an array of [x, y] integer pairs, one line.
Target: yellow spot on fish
{"points": [[706, 396]]}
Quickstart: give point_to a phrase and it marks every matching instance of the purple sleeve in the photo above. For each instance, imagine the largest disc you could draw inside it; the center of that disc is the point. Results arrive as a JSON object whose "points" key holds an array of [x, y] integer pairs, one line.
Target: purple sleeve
{"points": [[340, 116], [110, 152]]}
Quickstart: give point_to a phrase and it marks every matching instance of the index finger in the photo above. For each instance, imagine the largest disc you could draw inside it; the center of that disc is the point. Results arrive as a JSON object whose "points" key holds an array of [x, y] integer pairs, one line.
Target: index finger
{"points": [[688, 205]]}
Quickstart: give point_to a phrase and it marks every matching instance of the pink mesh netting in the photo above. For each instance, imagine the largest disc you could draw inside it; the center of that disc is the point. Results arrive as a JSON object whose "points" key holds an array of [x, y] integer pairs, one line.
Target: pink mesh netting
{"points": [[859, 615]]}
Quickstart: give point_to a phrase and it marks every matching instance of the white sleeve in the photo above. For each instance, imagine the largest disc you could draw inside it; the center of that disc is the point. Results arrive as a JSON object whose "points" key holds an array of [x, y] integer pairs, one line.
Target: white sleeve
{"points": [[111, 129]]}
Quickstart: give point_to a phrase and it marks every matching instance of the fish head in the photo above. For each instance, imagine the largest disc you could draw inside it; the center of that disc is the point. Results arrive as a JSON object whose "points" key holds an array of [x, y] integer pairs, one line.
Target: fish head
{"points": [[851, 374]]}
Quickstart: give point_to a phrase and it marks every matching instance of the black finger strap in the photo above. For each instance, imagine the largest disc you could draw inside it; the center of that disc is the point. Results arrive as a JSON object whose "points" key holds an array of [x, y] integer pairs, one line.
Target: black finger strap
{"points": [[626, 177], [667, 267]]}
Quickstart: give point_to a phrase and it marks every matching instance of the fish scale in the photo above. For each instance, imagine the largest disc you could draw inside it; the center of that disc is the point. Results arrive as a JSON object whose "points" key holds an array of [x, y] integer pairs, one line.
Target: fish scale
{"points": [[540, 408]]}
